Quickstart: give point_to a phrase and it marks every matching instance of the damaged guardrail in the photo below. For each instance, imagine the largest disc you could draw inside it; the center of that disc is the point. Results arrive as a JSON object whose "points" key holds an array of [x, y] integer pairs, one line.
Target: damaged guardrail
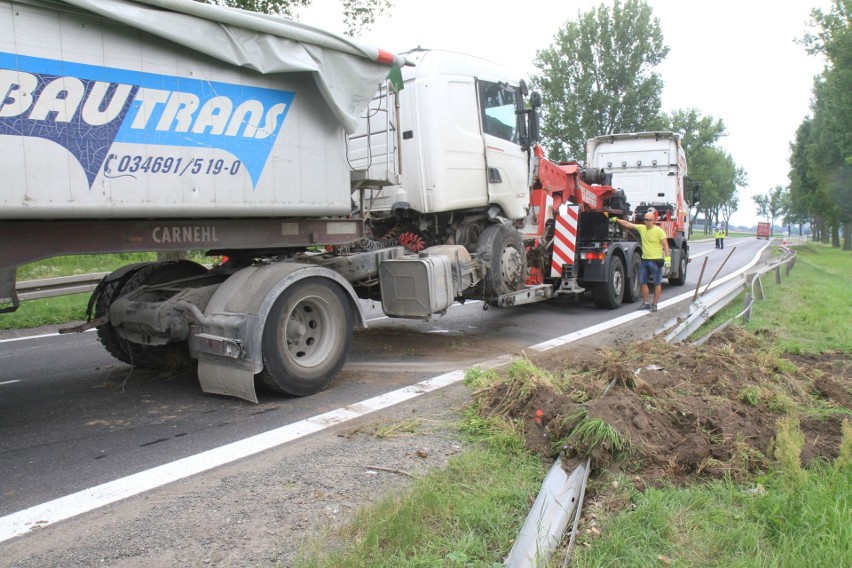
{"points": [[707, 304]]}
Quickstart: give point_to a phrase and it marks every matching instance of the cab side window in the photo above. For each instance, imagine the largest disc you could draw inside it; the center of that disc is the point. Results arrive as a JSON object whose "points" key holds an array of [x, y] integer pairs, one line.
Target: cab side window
{"points": [[497, 101]]}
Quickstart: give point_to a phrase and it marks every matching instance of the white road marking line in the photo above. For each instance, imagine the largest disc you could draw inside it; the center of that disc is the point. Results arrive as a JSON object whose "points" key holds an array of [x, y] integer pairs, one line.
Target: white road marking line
{"points": [[55, 334], [565, 339], [10, 382]]}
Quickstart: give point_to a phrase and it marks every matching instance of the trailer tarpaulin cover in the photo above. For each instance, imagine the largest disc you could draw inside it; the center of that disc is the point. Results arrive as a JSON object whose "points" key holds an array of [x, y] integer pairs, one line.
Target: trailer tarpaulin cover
{"points": [[347, 72]]}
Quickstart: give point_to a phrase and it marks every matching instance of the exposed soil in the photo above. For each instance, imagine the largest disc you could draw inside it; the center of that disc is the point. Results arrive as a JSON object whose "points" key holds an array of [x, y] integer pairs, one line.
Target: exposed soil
{"points": [[681, 411]]}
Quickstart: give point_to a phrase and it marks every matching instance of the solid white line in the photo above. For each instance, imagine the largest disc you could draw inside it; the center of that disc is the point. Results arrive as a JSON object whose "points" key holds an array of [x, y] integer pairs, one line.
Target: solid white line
{"points": [[55, 334], [10, 382], [87, 500]]}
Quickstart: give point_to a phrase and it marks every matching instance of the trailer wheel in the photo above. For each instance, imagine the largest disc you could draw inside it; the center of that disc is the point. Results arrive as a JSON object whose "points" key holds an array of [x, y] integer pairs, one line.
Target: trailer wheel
{"points": [[108, 292], [306, 338], [502, 249], [168, 357], [683, 261], [633, 292], [608, 295]]}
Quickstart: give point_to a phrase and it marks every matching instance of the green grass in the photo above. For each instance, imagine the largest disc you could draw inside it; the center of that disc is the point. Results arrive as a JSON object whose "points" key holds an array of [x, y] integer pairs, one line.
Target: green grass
{"points": [[79, 264], [811, 309], [725, 524], [48, 311], [464, 515]]}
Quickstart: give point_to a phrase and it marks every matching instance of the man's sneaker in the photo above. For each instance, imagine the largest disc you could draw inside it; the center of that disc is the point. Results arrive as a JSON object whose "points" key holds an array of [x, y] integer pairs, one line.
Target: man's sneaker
{"points": [[644, 306], [653, 307]]}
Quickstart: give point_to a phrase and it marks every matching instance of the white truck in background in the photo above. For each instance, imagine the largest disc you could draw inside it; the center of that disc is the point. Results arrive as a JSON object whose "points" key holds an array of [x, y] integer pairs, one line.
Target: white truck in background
{"points": [[650, 167], [285, 149]]}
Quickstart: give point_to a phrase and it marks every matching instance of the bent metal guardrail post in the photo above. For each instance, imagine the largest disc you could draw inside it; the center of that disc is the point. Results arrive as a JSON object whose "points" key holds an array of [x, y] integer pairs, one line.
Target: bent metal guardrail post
{"points": [[557, 501]]}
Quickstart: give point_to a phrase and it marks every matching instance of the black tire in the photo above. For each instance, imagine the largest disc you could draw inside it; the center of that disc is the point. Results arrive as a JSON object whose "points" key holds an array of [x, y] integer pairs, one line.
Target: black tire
{"points": [[306, 337], [633, 291], [109, 338], [171, 357], [502, 249], [683, 262], [608, 295]]}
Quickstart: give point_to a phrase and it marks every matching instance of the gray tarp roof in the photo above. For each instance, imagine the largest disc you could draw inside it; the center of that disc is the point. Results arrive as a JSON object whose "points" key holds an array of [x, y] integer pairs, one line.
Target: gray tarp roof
{"points": [[347, 71]]}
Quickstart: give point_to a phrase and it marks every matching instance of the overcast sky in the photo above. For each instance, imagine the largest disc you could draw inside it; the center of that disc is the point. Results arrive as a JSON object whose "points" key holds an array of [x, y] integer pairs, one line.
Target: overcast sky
{"points": [[732, 60]]}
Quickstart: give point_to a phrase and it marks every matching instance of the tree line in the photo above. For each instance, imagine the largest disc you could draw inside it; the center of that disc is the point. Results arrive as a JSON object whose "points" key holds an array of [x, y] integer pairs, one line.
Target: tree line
{"points": [[820, 190]]}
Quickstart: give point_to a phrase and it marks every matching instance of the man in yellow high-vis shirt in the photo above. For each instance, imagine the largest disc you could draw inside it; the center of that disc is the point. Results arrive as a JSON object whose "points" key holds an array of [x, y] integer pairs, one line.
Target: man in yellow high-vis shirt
{"points": [[655, 255]]}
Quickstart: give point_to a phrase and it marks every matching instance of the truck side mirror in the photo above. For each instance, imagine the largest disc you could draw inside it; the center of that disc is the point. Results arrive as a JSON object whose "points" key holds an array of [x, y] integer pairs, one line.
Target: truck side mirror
{"points": [[535, 99], [535, 129], [529, 129], [696, 193]]}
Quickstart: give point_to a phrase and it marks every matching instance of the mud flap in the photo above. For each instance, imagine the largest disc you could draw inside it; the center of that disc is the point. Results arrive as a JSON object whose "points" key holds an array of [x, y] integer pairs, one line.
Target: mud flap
{"points": [[230, 378]]}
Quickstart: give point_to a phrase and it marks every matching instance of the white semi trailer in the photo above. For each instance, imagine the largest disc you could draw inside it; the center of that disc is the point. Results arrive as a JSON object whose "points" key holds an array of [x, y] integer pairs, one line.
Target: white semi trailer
{"points": [[163, 125]]}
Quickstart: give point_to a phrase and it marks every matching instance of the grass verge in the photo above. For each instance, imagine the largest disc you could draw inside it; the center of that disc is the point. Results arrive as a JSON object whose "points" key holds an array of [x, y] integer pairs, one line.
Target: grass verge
{"points": [[810, 311]]}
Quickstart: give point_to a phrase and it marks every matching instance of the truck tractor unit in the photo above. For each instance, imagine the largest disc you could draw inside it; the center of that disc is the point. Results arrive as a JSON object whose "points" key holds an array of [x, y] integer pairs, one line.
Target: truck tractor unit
{"points": [[324, 171]]}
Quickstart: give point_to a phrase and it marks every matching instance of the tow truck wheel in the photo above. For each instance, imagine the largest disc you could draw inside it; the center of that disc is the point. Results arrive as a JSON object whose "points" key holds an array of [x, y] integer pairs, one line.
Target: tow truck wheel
{"points": [[608, 295], [633, 292], [306, 338], [682, 263], [502, 249]]}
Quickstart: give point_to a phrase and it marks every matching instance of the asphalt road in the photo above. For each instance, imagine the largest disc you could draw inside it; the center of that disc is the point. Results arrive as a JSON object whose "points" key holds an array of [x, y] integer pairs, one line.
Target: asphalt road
{"points": [[71, 417]]}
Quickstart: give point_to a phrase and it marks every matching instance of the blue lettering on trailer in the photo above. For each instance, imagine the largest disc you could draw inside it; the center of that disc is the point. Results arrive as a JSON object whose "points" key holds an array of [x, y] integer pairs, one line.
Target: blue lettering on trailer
{"points": [[85, 108]]}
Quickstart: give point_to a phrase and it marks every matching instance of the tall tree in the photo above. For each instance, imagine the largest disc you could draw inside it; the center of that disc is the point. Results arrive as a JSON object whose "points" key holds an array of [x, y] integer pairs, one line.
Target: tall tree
{"points": [[803, 187], [357, 14], [830, 150], [598, 76]]}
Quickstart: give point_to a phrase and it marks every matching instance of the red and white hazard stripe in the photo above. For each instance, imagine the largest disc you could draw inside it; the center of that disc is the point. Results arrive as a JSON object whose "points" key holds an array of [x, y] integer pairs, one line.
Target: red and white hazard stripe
{"points": [[564, 239]]}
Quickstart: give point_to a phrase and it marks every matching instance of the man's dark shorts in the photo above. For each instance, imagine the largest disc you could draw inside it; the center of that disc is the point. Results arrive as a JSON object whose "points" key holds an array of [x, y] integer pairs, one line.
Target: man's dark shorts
{"points": [[651, 269]]}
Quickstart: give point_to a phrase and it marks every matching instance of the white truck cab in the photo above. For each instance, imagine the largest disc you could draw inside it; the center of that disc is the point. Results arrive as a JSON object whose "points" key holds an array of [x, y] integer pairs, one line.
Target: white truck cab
{"points": [[450, 142], [649, 166]]}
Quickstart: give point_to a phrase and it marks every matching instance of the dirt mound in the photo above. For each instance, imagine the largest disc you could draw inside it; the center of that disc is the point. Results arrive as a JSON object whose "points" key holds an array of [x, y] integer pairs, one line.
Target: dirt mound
{"points": [[676, 410]]}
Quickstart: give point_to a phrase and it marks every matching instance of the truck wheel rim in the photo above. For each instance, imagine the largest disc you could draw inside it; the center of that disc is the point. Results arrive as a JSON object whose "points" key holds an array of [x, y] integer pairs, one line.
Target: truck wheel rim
{"points": [[617, 282], [307, 336], [511, 266]]}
